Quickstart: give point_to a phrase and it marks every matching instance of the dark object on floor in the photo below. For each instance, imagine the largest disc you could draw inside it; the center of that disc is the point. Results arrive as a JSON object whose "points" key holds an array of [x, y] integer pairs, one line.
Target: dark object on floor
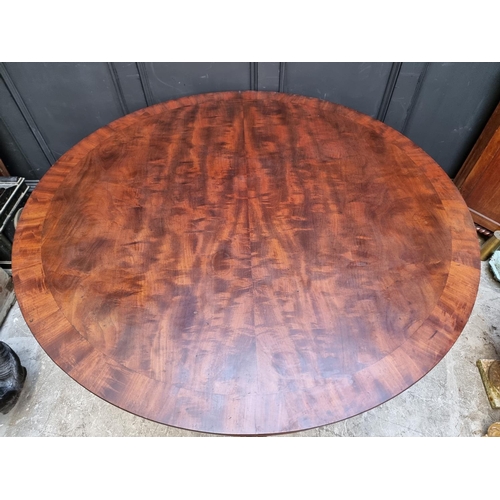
{"points": [[12, 377]]}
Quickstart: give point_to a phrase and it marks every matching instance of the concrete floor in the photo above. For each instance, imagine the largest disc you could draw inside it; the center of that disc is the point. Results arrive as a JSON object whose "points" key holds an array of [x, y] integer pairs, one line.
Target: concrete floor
{"points": [[449, 401]]}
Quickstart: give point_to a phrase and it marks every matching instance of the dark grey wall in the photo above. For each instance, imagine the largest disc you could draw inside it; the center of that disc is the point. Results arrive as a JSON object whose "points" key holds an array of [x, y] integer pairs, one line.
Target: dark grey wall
{"points": [[46, 108]]}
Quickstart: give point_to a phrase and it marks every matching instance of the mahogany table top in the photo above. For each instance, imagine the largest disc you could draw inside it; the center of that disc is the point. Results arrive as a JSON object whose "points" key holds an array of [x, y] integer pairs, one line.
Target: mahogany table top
{"points": [[246, 263]]}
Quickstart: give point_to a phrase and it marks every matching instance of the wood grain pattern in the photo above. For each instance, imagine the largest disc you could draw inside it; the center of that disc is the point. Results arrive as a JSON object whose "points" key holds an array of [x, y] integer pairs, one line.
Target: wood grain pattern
{"points": [[479, 178], [246, 263]]}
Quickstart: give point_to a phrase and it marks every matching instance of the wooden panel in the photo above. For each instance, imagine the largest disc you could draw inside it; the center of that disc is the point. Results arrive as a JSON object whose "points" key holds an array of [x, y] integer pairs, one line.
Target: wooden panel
{"points": [[482, 188], [18, 147], [452, 107], [390, 86], [485, 222], [357, 85], [246, 263], [479, 177], [481, 154], [404, 95], [68, 101], [130, 83], [269, 76], [172, 80]]}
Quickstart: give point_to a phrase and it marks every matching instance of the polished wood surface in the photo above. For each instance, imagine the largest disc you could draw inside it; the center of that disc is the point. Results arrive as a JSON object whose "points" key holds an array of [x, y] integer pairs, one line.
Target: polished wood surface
{"points": [[479, 178], [246, 263]]}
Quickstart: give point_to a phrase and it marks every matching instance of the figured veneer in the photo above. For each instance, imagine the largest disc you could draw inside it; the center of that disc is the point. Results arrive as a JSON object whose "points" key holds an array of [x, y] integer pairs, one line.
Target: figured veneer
{"points": [[246, 263]]}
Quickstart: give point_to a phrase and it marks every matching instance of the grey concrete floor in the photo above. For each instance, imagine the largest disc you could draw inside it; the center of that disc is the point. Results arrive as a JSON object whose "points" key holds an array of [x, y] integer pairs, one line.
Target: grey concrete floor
{"points": [[449, 401]]}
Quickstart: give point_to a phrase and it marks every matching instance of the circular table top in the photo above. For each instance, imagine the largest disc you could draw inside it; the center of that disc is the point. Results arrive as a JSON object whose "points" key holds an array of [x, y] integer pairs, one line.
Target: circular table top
{"points": [[246, 263]]}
